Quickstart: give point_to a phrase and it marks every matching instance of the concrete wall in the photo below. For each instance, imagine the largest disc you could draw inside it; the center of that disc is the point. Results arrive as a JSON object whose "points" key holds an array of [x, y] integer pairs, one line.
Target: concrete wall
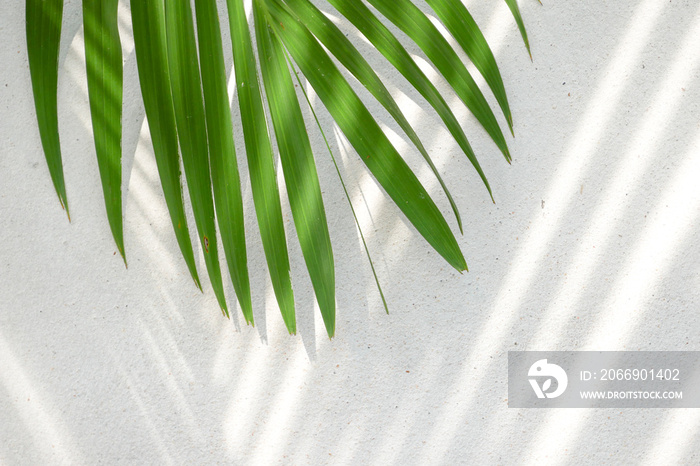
{"points": [[592, 244]]}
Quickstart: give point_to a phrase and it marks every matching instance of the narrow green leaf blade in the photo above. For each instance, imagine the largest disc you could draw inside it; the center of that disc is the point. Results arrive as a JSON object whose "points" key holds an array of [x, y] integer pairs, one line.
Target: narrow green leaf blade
{"points": [[513, 5], [44, 20], [263, 179], [103, 58], [413, 22], [461, 24], [367, 23], [150, 44], [299, 167], [192, 131], [339, 45], [345, 190], [363, 132], [222, 152]]}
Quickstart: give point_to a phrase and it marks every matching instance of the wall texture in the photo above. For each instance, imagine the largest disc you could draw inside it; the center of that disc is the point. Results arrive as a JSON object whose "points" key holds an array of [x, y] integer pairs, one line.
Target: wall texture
{"points": [[592, 244]]}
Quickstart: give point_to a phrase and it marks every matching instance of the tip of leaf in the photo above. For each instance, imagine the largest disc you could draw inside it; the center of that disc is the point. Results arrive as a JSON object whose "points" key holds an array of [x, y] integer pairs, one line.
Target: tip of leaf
{"points": [[330, 330], [64, 206], [120, 248], [291, 326], [461, 267], [506, 154]]}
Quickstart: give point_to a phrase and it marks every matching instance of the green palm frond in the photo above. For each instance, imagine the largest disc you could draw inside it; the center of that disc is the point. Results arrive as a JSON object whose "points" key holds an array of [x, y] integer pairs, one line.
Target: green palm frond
{"points": [[44, 21], [183, 84], [103, 59]]}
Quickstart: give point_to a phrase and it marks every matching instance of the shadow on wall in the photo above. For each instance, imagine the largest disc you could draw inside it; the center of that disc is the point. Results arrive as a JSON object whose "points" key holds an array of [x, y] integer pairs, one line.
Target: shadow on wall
{"points": [[592, 245]]}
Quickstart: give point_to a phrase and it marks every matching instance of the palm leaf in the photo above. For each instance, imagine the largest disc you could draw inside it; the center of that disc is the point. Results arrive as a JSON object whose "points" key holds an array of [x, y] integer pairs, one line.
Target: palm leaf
{"points": [[44, 21], [150, 44], [183, 83], [515, 10], [412, 21], [222, 152], [263, 178], [103, 58], [464, 29], [335, 41], [385, 42], [363, 132], [345, 190], [299, 167], [191, 128]]}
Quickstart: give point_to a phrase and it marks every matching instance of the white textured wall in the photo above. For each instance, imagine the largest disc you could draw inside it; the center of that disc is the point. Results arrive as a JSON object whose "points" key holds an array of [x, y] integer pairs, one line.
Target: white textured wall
{"points": [[592, 244]]}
